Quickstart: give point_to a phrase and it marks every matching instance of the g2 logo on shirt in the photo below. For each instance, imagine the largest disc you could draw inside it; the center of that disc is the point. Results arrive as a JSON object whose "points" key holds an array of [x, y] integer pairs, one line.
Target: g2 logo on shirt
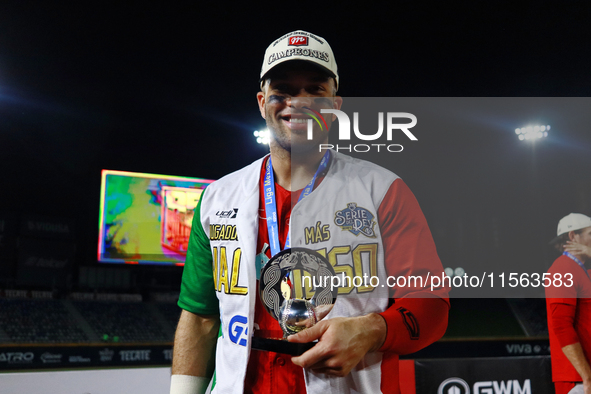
{"points": [[238, 330]]}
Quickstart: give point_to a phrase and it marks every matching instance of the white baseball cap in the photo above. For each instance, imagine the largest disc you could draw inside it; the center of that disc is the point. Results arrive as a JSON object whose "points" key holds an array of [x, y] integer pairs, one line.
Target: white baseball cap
{"points": [[572, 222], [300, 45]]}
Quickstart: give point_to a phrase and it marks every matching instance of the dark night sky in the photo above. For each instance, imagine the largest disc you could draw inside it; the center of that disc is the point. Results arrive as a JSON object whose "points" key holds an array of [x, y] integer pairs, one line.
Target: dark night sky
{"points": [[170, 89]]}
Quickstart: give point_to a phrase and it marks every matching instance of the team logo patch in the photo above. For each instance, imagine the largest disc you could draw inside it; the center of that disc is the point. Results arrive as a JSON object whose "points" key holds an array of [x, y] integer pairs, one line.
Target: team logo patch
{"points": [[411, 323], [298, 40], [230, 214], [238, 330], [356, 219]]}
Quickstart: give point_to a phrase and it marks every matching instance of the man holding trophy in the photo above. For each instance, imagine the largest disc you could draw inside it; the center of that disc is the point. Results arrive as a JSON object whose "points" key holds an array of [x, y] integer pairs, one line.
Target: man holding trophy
{"points": [[269, 242]]}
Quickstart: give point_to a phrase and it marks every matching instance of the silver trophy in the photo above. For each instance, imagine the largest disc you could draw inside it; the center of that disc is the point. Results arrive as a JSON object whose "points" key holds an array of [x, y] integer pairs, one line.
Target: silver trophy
{"points": [[276, 289]]}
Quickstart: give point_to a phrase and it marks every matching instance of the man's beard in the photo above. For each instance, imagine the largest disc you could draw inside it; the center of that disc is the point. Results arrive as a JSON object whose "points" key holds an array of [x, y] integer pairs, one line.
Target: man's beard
{"points": [[279, 135], [284, 137]]}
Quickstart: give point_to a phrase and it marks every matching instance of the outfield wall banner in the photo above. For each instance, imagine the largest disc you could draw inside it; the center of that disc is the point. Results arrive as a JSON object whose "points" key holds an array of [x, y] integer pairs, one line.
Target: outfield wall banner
{"points": [[71, 357], [524, 347]]}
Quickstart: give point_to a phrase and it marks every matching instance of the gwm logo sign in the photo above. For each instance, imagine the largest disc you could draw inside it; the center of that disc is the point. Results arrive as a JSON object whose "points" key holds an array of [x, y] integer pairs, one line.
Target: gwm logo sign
{"points": [[460, 386]]}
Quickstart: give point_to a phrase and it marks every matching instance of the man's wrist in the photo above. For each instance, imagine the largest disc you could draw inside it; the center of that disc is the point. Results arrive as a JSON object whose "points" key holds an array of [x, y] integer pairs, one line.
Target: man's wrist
{"points": [[187, 384], [377, 328]]}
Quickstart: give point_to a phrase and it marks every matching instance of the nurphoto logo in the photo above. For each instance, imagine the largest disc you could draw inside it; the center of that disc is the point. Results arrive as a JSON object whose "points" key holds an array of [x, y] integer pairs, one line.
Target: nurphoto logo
{"points": [[391, 119]]}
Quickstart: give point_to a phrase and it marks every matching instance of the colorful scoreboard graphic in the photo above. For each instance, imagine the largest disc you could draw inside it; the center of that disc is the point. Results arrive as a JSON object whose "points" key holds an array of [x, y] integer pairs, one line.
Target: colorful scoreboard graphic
{"points": [[146, 218], [177, 213]]}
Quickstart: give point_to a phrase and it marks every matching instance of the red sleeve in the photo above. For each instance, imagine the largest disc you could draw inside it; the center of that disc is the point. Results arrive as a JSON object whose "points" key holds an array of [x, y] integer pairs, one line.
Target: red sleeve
{"points": [[563, 320], [414, 323], [418, 317]]}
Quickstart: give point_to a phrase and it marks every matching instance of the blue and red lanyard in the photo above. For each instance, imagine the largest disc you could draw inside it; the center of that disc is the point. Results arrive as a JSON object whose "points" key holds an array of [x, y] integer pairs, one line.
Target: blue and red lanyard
{"points": [[271, 204]]}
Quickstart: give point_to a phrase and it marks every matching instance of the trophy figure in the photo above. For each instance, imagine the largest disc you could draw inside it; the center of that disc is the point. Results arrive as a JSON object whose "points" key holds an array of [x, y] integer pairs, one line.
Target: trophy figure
{"points": [[294, 314]]}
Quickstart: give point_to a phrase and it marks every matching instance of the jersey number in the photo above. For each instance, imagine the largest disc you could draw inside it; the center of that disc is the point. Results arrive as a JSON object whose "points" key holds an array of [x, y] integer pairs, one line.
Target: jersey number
{"points": [[365, 264]]}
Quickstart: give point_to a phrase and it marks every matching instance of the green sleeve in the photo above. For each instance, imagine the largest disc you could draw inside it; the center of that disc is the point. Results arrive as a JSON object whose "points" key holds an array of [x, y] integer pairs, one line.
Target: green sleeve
{"points": [[197, 286]]}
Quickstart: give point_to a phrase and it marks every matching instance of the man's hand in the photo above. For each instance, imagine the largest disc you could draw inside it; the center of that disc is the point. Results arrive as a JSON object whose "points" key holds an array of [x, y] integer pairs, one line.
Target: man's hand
{"points": [[575, 355], [582, 252], [342, 343]]}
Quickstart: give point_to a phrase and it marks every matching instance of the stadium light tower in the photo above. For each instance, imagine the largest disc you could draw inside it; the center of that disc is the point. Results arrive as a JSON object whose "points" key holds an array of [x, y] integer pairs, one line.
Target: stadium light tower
{"points": [[532, 133], [262, 136]]}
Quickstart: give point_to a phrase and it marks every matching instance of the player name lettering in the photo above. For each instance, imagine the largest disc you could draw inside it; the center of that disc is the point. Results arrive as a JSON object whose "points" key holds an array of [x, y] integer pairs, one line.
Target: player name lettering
{"points": [[223, 232]]}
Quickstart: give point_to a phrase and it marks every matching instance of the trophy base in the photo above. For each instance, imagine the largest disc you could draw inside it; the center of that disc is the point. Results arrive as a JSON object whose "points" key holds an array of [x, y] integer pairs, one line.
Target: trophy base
{"points": [[281, 346]]}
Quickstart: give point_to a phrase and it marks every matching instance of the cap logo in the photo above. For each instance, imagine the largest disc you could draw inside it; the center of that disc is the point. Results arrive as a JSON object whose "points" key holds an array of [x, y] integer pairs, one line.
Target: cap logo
{"points": [[298, 40]]}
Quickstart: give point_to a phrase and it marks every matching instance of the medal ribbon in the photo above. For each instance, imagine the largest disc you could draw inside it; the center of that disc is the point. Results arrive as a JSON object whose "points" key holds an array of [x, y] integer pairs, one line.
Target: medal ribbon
{"points": [[271, 205], [579, 262]]}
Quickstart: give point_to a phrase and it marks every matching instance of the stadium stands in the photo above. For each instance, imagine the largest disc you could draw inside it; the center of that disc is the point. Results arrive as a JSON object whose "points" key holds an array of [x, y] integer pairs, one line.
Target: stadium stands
{"points": [[80, 321], [59, 321], [38, 321]]}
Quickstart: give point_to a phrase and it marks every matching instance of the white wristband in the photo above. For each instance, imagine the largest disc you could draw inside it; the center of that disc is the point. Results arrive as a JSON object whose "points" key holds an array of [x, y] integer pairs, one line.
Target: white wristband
{"points": [[187, 384]]}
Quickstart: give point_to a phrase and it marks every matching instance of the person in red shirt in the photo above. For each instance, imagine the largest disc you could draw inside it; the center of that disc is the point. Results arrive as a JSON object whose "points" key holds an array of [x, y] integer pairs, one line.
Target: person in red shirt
{"points": [[568, 301]]}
